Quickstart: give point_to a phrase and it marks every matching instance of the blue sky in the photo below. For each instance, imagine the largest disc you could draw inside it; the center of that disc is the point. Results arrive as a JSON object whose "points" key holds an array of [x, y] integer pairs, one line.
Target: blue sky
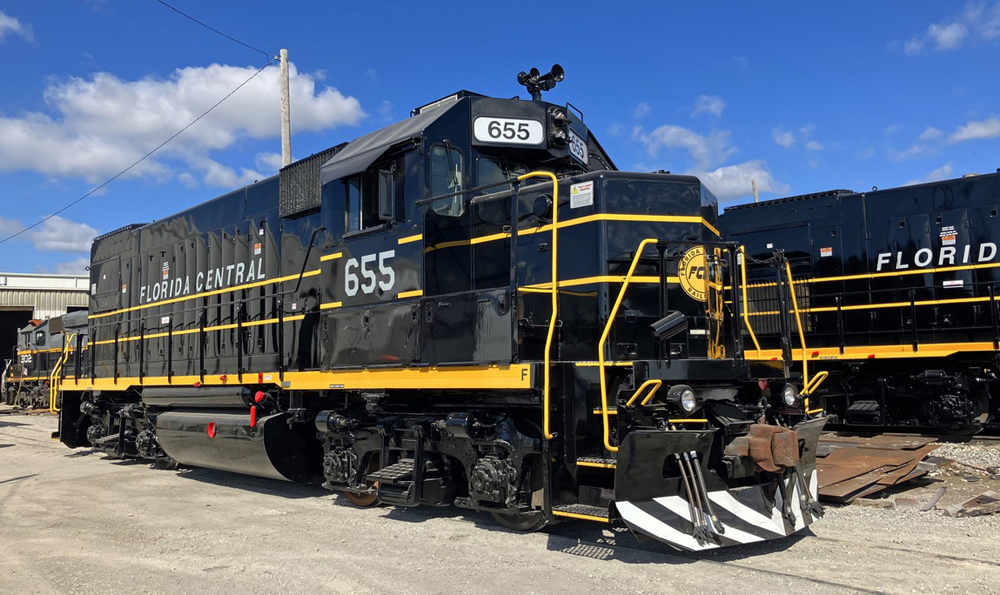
{"points": [[800, 96]]}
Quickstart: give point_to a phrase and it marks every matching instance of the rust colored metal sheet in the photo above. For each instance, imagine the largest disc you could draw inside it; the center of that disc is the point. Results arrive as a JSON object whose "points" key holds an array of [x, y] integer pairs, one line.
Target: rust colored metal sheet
{"points": [[881, 441], [902, 474]]}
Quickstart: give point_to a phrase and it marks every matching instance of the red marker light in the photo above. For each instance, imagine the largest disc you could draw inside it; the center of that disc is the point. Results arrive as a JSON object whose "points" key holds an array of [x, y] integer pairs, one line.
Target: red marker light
{"points": [[224, 377], [197, 385], [871, 356], [815, 353], [253, 416], [257, 398], [211, 429], [260, 378]]}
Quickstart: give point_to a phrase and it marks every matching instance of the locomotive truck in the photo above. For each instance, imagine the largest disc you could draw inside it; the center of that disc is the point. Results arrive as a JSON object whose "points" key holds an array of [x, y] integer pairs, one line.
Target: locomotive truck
{"points": [[469, 307]]}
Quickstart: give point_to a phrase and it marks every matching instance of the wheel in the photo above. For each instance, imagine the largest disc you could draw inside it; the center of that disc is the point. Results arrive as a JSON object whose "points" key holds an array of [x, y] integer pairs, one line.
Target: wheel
{"points": [[522, 523], [366, 500], [982, 413], [362, 500], [166, 464]]}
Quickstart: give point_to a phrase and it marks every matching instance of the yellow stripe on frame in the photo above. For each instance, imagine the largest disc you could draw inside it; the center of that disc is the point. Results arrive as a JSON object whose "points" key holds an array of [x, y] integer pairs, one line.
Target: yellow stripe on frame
{"points": [[333, 256], [408, 294], [409, 239]]}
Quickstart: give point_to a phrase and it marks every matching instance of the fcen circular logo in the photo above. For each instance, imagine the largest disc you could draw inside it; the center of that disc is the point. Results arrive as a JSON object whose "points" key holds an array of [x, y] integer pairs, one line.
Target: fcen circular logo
{"points": [[692, 272]]}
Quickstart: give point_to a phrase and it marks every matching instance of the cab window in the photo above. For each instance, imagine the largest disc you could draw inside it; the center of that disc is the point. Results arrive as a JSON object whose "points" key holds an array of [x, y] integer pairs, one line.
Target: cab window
{"points": [[494, 171], [446, 178]]}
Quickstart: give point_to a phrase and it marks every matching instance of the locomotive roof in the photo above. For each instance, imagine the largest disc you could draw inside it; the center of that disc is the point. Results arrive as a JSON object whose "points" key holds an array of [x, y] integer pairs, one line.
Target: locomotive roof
{"points": [[362, 152], [801, 197]]}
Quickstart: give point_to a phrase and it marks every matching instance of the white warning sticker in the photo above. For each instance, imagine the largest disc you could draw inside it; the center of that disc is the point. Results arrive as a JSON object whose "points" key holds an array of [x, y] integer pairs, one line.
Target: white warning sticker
{"points": [[581, 195]]}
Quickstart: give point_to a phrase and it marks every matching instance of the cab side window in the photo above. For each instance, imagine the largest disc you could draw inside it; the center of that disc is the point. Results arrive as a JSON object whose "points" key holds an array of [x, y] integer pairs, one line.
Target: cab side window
{"points": [[376, 197]]}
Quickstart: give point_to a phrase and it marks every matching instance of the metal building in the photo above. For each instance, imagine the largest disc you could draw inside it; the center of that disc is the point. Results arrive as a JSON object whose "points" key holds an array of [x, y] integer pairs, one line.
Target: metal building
{"points": [[27, 296]]}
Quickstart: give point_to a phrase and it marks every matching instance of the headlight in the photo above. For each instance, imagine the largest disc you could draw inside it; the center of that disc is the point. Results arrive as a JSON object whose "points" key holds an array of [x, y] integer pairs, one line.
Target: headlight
{"points": [[790, 395], [688, 400]]}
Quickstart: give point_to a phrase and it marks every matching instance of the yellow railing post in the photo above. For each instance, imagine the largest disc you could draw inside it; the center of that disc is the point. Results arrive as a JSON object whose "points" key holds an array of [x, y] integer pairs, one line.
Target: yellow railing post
{"points": [[54, 375], [798, 324], [546, 396], [746, 304], [604, 338]]}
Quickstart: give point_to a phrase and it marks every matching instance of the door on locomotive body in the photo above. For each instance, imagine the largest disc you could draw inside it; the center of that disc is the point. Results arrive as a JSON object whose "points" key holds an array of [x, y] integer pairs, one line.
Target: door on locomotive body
{"points": [[827, 259], [949, 235], [466, 287], [371, 276], [985, 228], [893, 244]]}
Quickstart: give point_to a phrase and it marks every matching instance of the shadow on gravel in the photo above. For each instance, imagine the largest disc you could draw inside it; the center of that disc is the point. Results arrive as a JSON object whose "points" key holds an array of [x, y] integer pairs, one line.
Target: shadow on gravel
{"points": [[250, 483], [4, 423], [13, 479], [6, 445], [620, 544]]}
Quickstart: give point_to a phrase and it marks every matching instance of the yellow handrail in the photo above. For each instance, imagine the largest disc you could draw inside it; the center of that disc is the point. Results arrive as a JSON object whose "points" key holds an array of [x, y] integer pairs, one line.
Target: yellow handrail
{"points": [[746, 304], [798, 323], [811, 388], [604, 338], [54, 375], [555, 289], [654, 382]]}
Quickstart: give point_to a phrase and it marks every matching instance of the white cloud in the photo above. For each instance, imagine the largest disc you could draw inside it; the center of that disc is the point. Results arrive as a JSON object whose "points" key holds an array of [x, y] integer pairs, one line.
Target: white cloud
{"points": [[217, 174], [930, 133], [9, 226], [59, 234], [73, 267], [940, 173], [976, 130], [102, 124], [912, 152], [814, 145], [269, 162], [707, 151], [783, 137], [708, 104], [978, 21], [11, 26], [641, 110], [734, 181]]}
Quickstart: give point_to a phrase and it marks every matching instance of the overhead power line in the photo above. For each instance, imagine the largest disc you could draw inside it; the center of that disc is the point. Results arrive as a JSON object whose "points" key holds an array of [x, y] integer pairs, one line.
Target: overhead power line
{"points": [[267, 56], [138, 161]]}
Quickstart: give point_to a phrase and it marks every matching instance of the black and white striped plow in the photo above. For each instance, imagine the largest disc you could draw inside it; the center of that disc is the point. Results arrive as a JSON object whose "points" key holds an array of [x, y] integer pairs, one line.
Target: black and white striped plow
{"points": [[665, 490]]}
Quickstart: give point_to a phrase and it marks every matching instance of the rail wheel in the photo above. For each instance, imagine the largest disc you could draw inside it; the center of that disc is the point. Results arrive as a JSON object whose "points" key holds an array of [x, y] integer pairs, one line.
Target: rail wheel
{"points": [[522, 523], [362, 500], [371, 499], [982, 413]]}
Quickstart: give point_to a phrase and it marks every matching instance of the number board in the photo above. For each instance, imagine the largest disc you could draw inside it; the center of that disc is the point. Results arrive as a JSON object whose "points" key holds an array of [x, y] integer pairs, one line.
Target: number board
{"points": [[578, 148], [488, 129]]}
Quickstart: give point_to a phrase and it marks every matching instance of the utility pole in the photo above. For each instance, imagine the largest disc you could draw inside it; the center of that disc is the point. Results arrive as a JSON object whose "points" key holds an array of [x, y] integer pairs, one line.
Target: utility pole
{"points": [[286, 120], [753, 183]]}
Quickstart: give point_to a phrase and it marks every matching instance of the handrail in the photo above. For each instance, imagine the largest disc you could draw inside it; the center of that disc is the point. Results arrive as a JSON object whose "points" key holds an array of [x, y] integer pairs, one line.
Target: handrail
{"points": [[654, 382], [604, 338], [811, 388], [798, 324], [54, 375], [546, 395], [746, 305]]}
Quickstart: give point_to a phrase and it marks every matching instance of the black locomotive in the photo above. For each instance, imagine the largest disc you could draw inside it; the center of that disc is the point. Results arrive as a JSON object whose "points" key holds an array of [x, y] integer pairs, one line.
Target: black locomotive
{"points": [[470, 307], [42, 350], [897, 296]]}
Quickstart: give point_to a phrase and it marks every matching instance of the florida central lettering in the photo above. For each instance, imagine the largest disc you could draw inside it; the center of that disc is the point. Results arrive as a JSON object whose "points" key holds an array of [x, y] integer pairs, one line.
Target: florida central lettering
{"points": [[217, 278], [946, 256]]}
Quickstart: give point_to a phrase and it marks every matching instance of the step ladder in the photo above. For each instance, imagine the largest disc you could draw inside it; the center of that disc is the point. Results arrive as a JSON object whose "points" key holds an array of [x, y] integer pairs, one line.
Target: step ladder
{"points": [[401, 482]]}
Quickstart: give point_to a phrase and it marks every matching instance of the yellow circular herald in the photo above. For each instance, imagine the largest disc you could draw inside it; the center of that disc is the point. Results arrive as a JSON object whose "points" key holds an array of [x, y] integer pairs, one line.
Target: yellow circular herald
{"points": [[692, 272]]}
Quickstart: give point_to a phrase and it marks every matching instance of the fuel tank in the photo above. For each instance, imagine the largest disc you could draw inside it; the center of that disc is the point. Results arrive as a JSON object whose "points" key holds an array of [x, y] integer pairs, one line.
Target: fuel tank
{"points": [[228, 441]]}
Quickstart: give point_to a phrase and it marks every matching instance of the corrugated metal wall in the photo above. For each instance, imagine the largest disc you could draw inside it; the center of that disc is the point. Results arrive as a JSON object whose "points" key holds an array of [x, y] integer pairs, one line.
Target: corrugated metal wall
{"points": [[46, 304]]}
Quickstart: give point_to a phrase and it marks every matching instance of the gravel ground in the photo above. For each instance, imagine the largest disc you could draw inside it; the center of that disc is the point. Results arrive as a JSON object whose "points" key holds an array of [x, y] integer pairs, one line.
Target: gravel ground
{"points": [[982, 455], [76, 522]]}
